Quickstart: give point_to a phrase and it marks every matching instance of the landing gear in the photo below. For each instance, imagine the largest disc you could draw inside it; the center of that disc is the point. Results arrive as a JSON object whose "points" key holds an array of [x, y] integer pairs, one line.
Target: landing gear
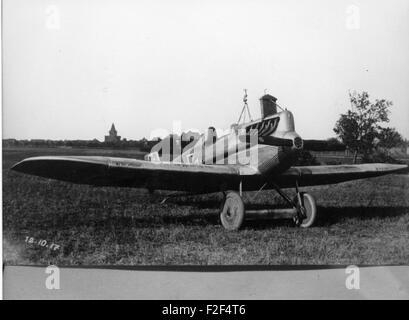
{"points": [[232, 213], [309, 208], [303, 209], [304, 205]]}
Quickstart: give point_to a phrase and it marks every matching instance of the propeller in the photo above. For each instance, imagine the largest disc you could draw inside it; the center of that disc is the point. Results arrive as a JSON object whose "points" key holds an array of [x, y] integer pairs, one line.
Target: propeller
{"points": [[310, 145], [269, 140], [274, 141], [323, 145]]}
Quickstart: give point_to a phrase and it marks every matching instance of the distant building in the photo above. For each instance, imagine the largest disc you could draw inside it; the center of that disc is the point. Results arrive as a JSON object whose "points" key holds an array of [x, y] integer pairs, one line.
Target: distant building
{"points": [[113, 136]]}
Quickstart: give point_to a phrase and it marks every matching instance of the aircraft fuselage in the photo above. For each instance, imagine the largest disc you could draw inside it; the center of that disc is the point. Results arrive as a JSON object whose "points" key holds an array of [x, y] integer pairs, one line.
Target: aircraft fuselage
{"points": [[242, 146]]}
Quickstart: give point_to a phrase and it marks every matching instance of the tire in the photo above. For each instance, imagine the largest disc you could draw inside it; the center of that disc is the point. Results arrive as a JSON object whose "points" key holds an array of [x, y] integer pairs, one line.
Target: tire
{"points": [[310, 206], [232, 213]]}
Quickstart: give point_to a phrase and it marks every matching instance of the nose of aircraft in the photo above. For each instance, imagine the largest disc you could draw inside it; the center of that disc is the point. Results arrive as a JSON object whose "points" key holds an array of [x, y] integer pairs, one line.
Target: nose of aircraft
{"points": [[286, 130]]}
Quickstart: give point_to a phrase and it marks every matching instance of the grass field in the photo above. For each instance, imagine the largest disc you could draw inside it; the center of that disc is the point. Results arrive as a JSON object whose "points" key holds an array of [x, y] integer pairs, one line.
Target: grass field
{"points": [[362, 222]]}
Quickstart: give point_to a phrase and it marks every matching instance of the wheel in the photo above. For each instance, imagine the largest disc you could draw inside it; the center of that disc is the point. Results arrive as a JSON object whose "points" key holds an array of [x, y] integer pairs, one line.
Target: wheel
{"points": [[308, 202], [232, 213]]}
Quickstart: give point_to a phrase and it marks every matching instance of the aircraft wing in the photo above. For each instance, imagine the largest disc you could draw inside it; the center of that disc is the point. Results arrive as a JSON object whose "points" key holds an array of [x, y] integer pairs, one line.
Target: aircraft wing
{"points": [[319, 175], [126, 172]]}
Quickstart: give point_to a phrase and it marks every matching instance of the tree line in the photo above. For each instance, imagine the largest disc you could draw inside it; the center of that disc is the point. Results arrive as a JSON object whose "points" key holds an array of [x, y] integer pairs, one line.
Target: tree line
{"points": [[362, 130], [143, 144]]}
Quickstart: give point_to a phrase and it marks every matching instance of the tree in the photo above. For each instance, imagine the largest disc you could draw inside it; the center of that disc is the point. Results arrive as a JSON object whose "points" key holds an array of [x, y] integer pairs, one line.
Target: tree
{"points": [[359, 127], [389, 138]]}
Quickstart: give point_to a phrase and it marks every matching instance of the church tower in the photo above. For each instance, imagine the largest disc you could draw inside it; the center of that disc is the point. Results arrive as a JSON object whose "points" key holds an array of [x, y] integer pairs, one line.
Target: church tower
{"points": [[113, 132], [113, 135]]}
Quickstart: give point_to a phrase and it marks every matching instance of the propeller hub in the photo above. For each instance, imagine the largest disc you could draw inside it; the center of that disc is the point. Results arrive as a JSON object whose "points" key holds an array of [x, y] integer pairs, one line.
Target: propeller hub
{"points": [[298, 143]]}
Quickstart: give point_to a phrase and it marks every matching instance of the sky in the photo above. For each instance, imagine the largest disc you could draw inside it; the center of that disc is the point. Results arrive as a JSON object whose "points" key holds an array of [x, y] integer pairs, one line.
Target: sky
{"points": [[71, 68]]}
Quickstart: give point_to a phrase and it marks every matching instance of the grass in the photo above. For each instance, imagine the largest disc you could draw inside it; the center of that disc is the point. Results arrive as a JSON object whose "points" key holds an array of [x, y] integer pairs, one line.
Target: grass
{"points": [[362, 222]]}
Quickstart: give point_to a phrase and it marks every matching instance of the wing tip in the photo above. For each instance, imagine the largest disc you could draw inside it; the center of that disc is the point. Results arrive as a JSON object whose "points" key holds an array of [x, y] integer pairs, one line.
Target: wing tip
{"points": [[21, 164], [401, 167], [18, 166], [392, 167]]}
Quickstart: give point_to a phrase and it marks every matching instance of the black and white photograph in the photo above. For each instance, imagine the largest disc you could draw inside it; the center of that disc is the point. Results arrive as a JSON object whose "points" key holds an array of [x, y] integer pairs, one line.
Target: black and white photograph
{"points": [[207, 134]]}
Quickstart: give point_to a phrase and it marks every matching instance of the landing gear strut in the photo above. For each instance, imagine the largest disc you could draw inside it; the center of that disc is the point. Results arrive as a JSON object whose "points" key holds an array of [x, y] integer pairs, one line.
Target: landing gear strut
{"points": [[304, 206], [303, 209]]}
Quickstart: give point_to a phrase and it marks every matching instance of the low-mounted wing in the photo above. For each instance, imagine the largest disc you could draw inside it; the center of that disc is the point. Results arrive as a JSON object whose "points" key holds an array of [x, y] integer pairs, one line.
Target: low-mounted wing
{"points": [[319, 175], [125, 172]]}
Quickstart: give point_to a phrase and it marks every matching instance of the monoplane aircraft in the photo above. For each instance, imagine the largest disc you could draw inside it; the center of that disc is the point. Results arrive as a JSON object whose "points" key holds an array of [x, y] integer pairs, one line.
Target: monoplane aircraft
{"points": [[253, 155]]}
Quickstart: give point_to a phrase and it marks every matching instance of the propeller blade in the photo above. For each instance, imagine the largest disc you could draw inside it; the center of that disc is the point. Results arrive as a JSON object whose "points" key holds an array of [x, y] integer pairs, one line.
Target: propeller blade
{"points": [[274, 141], [323, 145], [310, 145], [268, 140]]}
